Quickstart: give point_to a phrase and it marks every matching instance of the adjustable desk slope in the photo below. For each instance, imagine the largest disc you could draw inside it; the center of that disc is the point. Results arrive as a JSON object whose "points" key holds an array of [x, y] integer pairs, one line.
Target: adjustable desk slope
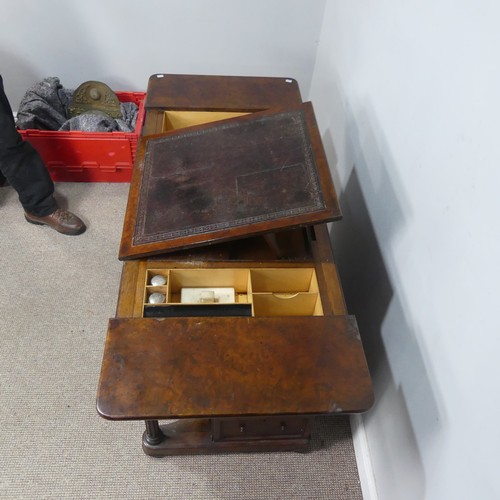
{"points": [[250, 375]]}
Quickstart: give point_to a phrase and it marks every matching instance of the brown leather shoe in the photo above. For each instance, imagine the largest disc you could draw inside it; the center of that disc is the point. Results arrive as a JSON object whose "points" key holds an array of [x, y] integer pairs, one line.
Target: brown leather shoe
{"points": [[61, 220]]}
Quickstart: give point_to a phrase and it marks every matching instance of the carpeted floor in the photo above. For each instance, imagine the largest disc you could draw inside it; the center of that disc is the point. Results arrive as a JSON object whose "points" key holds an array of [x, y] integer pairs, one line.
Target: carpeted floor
{"points": [[56, 295]]}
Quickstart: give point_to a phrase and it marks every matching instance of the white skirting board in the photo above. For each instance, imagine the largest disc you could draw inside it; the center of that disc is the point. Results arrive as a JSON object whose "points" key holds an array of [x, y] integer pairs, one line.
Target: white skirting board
{"points": [[362, 452]]}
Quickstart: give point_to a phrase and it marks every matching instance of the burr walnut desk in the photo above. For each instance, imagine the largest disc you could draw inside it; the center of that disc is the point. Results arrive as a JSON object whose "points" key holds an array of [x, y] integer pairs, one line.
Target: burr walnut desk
{"points": [[231, 191]]}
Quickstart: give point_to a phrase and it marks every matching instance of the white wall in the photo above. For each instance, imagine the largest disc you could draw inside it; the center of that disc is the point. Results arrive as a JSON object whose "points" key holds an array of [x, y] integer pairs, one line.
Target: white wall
{"points": [[123, 42], [408, 100]]}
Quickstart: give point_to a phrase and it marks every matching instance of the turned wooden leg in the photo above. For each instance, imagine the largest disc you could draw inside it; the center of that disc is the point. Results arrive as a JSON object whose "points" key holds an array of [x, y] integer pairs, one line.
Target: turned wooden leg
{"points": [[154, 435]]}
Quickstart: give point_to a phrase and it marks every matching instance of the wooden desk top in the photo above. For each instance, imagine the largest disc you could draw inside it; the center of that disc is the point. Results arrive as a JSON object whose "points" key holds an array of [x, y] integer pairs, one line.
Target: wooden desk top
{"points": [[236, 93], [213, 367]]}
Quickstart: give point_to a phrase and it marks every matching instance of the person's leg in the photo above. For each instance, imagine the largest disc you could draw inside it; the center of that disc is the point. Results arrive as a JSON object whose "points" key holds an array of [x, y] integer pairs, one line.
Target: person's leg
{"points": [[20, 165], [23, 168]]}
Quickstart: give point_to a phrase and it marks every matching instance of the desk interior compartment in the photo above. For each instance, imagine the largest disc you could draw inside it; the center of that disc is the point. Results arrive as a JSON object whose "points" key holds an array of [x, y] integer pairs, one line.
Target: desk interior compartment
{"points": [[153, 277], [236, 279], [232, 292], [285, 292], [215, 283], [178, 119]]}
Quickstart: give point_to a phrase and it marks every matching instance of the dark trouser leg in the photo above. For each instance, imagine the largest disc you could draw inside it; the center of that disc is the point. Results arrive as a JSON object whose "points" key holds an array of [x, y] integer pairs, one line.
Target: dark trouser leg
{"points": [[22, 166]]}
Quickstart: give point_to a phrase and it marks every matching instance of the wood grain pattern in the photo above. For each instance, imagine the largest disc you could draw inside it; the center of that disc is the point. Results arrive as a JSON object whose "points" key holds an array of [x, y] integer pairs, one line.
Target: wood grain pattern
{"points": [[229, 93], [206, 367]]}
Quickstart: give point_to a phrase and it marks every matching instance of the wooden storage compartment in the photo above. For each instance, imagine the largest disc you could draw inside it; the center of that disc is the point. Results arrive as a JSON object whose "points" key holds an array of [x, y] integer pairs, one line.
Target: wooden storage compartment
{"points": [[152, 273], [285, 292], [252, 292], [207, 281], [299, 304], [209, 278], [177, 119], [157, 282]]}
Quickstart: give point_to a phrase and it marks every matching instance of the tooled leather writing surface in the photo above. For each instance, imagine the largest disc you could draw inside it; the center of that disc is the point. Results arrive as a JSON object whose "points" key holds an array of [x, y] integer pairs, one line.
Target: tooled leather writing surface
{"points": [[228, 175], [235, 178]]}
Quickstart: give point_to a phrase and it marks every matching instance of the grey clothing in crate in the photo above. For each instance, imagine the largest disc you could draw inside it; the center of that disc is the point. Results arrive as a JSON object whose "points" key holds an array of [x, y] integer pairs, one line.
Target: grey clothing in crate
{"points": [[45, 107], [90, 122]]}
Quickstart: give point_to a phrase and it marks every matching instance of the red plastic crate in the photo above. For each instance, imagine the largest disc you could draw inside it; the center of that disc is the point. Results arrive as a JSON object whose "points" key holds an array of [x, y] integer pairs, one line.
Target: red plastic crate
{"points": [[90, 156]]}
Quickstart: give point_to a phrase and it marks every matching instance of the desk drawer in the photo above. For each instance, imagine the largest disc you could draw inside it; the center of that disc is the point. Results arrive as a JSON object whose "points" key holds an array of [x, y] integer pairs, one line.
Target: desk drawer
{"points": [[236, 429], [286, 291]]}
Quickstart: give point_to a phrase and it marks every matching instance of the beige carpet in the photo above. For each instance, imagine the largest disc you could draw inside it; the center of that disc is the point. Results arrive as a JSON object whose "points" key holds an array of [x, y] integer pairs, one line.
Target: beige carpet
{"points": [[56, 295]]}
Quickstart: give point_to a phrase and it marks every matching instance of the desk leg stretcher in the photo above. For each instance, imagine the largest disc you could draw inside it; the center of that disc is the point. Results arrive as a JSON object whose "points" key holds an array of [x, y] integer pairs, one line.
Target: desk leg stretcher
{"points": [[216, 435]]}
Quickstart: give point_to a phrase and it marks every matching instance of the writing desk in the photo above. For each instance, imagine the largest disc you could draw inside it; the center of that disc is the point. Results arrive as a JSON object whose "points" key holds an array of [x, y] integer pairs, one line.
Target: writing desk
{"points": [[246, 376]]}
